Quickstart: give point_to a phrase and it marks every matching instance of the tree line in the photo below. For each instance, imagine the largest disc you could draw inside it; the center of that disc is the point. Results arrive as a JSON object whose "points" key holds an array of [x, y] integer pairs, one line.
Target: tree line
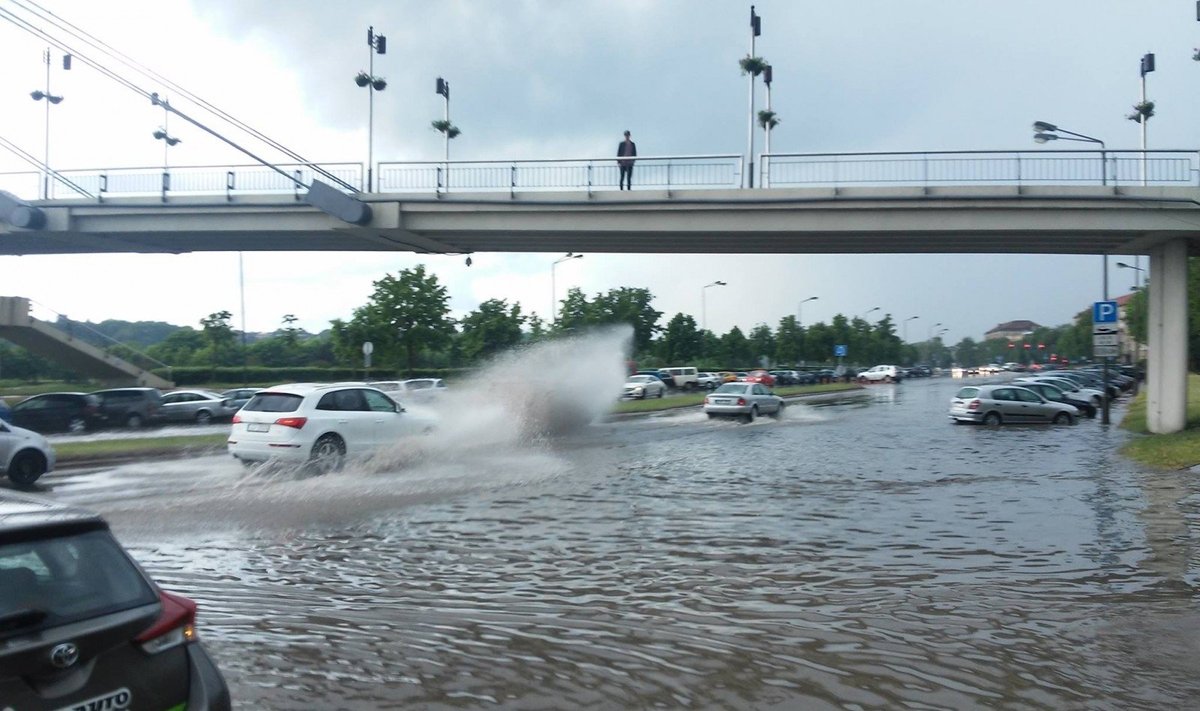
{"points": [[407, 319]]}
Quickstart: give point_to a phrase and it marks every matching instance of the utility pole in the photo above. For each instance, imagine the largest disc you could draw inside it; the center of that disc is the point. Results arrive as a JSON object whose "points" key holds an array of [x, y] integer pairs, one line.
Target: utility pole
{"points": [[755, 31]]}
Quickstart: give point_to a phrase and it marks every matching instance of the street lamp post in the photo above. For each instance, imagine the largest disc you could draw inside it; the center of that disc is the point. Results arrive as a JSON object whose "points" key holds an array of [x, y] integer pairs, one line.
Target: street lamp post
{"points": [[704, 305], [799, 307], [1044, 132], [49, 98], [870, 310], [553, 290], [1144, 110], [755, 31], [1137, 276], [367, 79], [910, 318]]}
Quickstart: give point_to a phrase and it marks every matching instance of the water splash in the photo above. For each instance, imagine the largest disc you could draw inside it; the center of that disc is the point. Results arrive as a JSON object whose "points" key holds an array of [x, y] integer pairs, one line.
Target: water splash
{"points": [[522, 397]]}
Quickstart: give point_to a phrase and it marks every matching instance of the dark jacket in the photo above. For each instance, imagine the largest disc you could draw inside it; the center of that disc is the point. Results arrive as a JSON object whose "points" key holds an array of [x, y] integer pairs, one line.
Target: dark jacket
{"points": [[622, 151]]}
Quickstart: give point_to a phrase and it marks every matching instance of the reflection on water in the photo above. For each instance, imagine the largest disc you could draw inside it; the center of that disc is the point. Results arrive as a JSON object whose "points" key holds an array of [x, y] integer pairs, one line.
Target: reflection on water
{"points": [[862, 556]]}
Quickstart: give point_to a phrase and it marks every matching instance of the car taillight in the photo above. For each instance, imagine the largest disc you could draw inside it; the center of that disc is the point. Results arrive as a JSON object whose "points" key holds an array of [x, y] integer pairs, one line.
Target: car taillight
{"points": [[297, 422], [973, 405], [741, 401], [237, 419], [176, 624]]}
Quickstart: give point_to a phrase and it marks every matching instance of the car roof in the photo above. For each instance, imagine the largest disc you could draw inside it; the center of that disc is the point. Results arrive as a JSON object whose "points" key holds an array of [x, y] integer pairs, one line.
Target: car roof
{"points": [[23, 513], [309, 388]]}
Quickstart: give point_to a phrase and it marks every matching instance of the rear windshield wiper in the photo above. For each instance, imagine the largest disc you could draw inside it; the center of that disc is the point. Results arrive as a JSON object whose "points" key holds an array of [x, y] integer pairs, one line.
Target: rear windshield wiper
{"points": [[21, 618]]}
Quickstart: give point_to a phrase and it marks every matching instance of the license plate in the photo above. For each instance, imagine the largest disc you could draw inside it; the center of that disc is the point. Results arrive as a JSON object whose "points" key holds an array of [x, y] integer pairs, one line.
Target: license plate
{"points": [[723, 401], [258, 427], [113, 701]]}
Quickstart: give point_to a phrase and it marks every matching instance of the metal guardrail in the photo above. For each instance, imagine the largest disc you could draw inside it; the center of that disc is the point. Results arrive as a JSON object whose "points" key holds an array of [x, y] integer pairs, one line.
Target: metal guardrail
{"points": [[227, 181], [663, 172], [718, 171], [1078, 167]]}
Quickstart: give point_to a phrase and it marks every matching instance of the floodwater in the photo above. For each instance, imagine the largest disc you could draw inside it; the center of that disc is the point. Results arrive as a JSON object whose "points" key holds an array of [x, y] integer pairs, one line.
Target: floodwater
{"points": [[865, 554]]}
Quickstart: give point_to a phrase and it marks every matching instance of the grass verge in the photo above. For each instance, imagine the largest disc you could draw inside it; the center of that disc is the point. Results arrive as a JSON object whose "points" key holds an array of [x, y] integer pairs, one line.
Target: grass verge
{"points": [[696, 399], [71, 452], [1178, 450]]}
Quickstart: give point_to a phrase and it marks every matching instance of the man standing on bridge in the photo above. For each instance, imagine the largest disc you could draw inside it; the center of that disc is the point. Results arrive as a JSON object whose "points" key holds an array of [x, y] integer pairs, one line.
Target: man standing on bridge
{"points": [[626, 148]]}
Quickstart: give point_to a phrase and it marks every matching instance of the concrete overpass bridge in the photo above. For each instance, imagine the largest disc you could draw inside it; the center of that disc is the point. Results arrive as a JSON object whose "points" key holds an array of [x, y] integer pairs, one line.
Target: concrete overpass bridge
{"points": [[1037, 202]]}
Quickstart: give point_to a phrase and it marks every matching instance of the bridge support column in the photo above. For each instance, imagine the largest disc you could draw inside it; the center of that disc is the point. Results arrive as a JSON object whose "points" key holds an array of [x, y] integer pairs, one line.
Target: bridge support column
{"points": [[1166, 377]]}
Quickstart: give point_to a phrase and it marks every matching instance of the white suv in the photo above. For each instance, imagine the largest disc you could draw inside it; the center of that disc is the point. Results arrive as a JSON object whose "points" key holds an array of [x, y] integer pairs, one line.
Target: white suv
{"points": [[319, 425], [880, 374]]}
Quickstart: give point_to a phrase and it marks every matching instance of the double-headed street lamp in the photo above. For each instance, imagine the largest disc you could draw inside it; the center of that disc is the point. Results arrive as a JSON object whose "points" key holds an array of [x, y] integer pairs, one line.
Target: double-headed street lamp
{"points": [[372, 83], [704, 305], [1044, 132], [38, 95], [553, 290]]}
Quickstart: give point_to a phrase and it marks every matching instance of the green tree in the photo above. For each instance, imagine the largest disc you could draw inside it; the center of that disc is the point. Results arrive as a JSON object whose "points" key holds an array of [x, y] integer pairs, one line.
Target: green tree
{"points": [[681, 340], [537, 327], [575, 311], [493, 327], [180, 348], [737, 349], [632, 306], [762, 342], [407, 314], [789, 341], [219, 337]]}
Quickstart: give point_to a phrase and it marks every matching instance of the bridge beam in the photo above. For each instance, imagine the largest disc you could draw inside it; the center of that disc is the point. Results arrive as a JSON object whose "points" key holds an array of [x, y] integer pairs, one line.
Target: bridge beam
{"points": [[1166, 379]]}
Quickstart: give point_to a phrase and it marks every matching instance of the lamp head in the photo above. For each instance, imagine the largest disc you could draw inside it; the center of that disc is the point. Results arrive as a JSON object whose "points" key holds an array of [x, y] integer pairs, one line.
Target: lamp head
{"points": [[720, 283], [160, 134], [171, 141], [1043, 126], [1043, 137], [37, 95]]}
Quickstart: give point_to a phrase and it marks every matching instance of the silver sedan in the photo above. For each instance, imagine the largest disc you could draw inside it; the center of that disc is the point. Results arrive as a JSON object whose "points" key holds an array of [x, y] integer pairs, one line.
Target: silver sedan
{"points": [[199, 406], [743, 400], [643, 386], [1007, 404]]}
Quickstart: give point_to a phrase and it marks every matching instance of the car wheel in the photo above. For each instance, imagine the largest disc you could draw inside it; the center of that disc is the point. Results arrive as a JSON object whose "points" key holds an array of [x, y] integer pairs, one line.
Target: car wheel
{"points": [[862, 379], [778, 411], [888, 378], [134, 421], [662, 392], [203, 417], [27, 467], [328, 454], [711, 416], [76, 425], [752, 415], [992, 418], [1063, 418]]}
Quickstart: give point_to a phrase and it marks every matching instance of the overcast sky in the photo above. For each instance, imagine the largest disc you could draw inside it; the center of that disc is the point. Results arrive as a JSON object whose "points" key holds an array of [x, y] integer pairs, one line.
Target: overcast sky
{"points": [[560, 79]]}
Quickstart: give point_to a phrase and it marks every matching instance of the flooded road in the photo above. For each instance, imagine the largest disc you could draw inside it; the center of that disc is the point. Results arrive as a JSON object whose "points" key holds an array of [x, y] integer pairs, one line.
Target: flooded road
{"points": [[860, 555]]}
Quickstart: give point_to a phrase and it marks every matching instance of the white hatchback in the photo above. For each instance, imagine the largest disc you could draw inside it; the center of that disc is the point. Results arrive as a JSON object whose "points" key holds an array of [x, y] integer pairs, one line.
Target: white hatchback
{"points": [[319, 425]]}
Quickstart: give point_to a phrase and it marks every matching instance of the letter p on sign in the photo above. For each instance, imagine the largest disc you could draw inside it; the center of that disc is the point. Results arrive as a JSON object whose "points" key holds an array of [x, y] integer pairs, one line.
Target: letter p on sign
{"points": [[1104, 312]]}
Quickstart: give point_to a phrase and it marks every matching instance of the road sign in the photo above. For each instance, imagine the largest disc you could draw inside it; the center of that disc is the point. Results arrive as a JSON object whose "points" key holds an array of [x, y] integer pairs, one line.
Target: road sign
{"points": [[1105, 339], [1104, 312], [839, 351], [1105, 351]]}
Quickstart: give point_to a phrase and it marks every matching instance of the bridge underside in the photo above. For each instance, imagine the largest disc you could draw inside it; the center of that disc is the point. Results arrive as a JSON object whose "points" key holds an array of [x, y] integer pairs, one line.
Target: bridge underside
{"points": [[1059, 220]]}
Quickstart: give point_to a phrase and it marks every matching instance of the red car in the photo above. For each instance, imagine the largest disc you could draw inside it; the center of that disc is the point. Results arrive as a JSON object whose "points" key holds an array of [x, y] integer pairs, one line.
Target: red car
{"points": [[760, 376]]}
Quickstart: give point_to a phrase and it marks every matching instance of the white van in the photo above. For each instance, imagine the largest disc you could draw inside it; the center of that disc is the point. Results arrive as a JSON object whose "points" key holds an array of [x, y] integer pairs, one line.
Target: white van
{"points": [[686, 378]]}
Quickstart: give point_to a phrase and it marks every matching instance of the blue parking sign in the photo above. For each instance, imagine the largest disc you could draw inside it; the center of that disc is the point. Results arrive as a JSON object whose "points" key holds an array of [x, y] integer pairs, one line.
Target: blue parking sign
{"points": [[839, 351], [1104, 312]]}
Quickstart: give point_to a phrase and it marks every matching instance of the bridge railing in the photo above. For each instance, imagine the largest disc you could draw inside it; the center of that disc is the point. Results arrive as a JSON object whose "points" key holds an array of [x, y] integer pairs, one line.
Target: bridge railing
{"points": [[1074, 167], [664, 172], [227, 181]]}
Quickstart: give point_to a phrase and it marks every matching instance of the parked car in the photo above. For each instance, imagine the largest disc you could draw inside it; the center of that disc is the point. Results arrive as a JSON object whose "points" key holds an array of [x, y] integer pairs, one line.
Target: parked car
{"points": [[319, 425], [1072, 388], [654, 374], [58, 412], [881, 374], [760, 376], [424, 387], [25, 456], [684, 377], [784, 377], [238, 397], [199, 406], [727, 376], [1007, 404], [643, 386], [709, 381], [5, 411], [1055, 394], [84, 627], [743, 400], [129, 407]]}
